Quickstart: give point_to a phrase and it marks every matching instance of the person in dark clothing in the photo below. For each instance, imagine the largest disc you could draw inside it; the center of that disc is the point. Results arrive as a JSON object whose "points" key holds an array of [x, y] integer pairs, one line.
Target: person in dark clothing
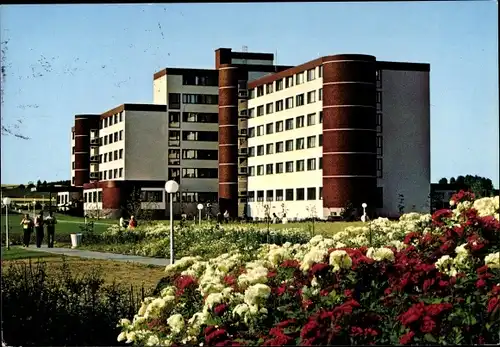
{"points": [[39, 230], [51, 229], [27, 224]]}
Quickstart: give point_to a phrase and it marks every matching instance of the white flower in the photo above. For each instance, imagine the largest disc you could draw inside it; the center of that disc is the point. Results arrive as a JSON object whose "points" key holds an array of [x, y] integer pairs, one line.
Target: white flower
{"points": [[445, 265], [131, 336], [176, 323], [122, 336], [380, 254], [339, 259], [153, 340], [493, 260], [213, 299], [315, 255], [256, 294]]}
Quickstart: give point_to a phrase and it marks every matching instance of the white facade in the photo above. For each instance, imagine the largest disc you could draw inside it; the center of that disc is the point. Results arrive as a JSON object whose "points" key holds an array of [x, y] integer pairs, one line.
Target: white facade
{"points": [[111, 152], [404, 156], [72, 157], [302, 158], [406, 141]]}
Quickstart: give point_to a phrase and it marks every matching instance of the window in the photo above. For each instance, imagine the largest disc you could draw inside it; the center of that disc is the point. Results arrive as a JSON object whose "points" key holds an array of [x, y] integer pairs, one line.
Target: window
{"points": [[199, 173], [243, 113], [73, 165], [299, 122], [269, 169], [200, 117], [115, 155], [260, 111], [299, 78], [320, 94], [105, 175], [279, 85], [299, 143], [311, 193], [260, 170], [311, 97], [379, 122], [105, 122], [300, 194], [200, 154], [111, 120], [320, 193], [110, 174], [289, 124], [174, 119], [121, 116], [289, 166], [379, 101], [174, 156], [379, 145], [269, 128], [174, 101], [260, 195], [269, 108], [289, 195], [110, 138], [320, 71], [279, 126], [251, 196], [105, 157], [311, 164], [73, 149], [260, 150], [320, 140], [320, 117], [251, 171], [251, 132], [279, 168], [121, 172], [174, 138], [269, 88], [251, 152], [279, 147], [289, 145], [378, 77], [121, 135], [269, 148], [209, 136], [279, 194], [100, 156], [311, 74], [192, 79], [202, 99], [320, 163], [311, 141], [260, 91], [260, 130], [299, 165], [379, 167], [288, 103], [299, 100], [289, 82], [311, 119], [279, 105], [251, 93], [269, 195], [251, 113]]}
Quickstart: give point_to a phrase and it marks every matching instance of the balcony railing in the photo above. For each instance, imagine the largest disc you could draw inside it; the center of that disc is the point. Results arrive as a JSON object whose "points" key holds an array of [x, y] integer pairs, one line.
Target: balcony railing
{"points": [[96, 141], [94, 175], [94, 158], [243, 94], [242, 152]]}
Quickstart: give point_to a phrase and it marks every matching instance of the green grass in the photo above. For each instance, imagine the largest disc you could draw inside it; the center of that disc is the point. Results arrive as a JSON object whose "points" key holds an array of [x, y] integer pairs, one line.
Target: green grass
{"points": [[17, 253]]}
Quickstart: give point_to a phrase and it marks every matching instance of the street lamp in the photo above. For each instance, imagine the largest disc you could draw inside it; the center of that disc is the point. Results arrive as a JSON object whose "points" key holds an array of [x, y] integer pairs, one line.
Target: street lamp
{"points": [[171, 187], [200, 207], [6, 202], [363, 217]]}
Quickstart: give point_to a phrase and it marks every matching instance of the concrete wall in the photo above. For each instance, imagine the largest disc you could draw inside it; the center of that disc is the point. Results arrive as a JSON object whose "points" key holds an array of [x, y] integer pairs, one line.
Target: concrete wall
{"points": [[406, 141]]}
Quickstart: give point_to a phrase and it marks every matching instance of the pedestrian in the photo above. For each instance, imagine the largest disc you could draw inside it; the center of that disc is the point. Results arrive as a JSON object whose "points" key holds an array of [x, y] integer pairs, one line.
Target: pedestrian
{"points": [[284, 220], [51, 229], [39, 229], [121, 222], [27, 224], [275, 218], [132, 224], [226, 216]]}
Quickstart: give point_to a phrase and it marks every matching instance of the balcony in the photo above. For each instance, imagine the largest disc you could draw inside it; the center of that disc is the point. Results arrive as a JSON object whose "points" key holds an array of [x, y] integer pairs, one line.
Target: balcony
{"points": [[94, 175], [242, 152], [94, 158], [243, 171], [96, 141], [242, 133], [243, 94]]}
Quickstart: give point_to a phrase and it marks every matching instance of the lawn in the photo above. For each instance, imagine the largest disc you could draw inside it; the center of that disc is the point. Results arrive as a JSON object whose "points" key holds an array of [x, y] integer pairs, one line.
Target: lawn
{"points": [[121, 272]]}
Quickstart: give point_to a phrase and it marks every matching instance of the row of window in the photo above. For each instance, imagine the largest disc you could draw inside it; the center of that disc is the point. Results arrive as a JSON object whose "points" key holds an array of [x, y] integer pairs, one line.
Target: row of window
{"points": [[287, 124], [287, 82], [200, 80], [286, 167], [111, 138], [109, 121], [291, 194], [174, 136], [286, 104], [174, 118], [285, 146], [111, 174], [200, 173]]}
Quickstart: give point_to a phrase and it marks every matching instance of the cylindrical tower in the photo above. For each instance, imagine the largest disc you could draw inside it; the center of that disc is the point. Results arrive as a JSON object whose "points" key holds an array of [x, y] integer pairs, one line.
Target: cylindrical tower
{"points": [[83, 124], [349, 131], [228, 139]]}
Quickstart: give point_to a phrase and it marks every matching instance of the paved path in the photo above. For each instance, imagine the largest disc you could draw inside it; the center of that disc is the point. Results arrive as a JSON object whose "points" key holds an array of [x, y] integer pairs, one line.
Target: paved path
{"points": [[102, 255]]}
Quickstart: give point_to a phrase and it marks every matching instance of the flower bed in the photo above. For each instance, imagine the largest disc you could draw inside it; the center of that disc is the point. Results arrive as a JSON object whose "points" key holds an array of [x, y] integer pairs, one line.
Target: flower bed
{"points": [[206, 240], [426, 280]]}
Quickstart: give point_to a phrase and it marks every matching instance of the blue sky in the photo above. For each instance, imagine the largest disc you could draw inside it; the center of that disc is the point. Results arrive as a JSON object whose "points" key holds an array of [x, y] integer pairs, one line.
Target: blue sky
{"points": [[91, 58]]}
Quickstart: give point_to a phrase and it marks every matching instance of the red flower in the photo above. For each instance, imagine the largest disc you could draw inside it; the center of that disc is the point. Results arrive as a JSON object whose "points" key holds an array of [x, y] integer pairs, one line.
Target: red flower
{"points": [[286, 323], [271, 274], [436, 309], [220, 309], [406, 338], [413, 314], [183, 282], [428, 325], [463, 196], [281, 289], [348, 293], [428, 284], [370, 332], [480, 283], [493, 304], [319, 268], [356, 331], [324, 292], [439, 217], [290, 263], [229, 280]]}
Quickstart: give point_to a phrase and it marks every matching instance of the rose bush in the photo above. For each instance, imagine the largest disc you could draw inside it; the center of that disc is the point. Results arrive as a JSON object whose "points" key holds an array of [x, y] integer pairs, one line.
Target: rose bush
{"points": [[428, 280]]}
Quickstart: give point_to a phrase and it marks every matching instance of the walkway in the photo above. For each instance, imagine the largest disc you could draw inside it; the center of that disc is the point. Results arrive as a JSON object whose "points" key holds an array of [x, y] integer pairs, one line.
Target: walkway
{"points": [[102, 255]]}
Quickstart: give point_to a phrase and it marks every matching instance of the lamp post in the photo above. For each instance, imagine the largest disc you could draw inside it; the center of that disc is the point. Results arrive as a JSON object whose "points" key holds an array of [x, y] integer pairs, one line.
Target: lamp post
{"points": [[6, 202], [171, 187], [200, 208], [34, 208], [363, 217]]}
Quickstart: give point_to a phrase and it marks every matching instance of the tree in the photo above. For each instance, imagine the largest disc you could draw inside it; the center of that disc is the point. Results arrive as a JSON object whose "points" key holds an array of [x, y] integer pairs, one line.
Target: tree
{"points": [[38, 184], [22, 186], [461, 180], [452, 180], [443, 181], [140, 205]]}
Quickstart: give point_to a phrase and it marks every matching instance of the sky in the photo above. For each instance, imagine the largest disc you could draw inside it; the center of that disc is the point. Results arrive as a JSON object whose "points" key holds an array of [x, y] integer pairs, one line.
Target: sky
{"points": [[62, 60]]}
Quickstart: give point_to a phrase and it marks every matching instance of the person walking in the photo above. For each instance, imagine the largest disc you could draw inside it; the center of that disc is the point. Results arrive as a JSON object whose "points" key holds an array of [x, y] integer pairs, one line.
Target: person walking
{"points": [[132, 224], [226, 216], [51, 229], [27, 224], [39, 229]]}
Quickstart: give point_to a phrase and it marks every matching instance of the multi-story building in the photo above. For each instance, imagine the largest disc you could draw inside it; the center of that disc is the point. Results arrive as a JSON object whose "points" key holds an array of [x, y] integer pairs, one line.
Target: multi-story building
{"points": [[252, 137]]}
